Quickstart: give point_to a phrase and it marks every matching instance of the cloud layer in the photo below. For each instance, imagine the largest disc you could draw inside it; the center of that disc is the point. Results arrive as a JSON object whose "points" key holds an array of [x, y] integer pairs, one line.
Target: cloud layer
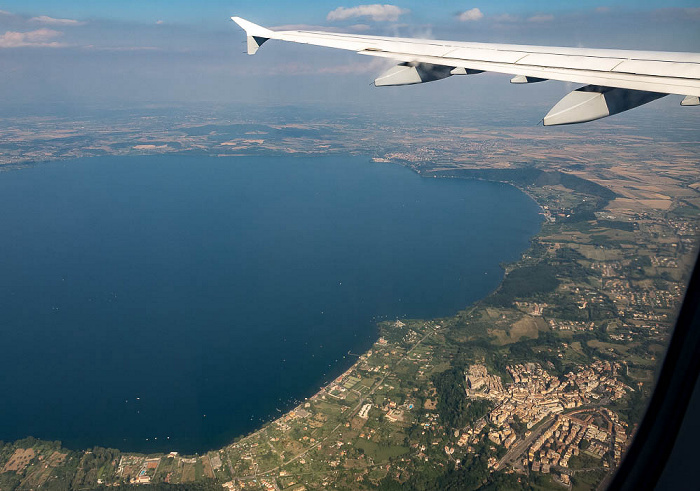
{"points": [[471, 15], [45, 19], [38, 38], [376, 12]]}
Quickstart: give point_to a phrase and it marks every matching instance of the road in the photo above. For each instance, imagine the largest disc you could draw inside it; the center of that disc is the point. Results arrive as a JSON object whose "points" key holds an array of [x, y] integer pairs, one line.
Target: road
{"points": [[522, 445]]}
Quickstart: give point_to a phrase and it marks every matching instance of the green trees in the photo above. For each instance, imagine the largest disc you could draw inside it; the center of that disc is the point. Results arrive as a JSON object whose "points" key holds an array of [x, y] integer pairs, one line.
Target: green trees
{"points": [[470, 476], [525, 282], [90, 465], [456, 411], [192, 486]]}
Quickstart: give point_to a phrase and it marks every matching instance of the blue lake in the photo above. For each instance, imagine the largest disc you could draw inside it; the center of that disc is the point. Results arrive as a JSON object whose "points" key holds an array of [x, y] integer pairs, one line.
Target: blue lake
{"points": [[176, 302]]}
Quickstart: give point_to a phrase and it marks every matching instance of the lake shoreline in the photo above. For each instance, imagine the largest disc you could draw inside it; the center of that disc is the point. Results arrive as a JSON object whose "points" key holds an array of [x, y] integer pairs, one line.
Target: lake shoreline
{"points": [[373, 328], [324, 388]]}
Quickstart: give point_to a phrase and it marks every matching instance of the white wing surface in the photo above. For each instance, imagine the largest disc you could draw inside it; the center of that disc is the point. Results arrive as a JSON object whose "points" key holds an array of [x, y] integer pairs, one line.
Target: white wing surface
{"points": [[616, 80]]}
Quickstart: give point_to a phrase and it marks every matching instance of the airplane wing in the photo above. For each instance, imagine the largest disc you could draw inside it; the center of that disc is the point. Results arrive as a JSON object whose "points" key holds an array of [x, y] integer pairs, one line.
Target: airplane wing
{"points": [[616, 80]]}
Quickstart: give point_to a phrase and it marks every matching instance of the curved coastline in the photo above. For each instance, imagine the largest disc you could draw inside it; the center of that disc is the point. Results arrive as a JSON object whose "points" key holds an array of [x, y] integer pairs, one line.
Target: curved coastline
{"points": [[396, 388], [324, 388], [342, 369]]}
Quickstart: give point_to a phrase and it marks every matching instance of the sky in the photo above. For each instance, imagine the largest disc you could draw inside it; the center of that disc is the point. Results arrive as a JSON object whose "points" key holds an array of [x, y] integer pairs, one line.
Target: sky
{"points": [[187, 11], [136, 51]]}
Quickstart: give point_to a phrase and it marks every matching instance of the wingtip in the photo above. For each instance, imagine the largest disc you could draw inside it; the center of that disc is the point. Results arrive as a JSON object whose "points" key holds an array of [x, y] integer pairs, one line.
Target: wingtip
{"points": [[252, 29]]}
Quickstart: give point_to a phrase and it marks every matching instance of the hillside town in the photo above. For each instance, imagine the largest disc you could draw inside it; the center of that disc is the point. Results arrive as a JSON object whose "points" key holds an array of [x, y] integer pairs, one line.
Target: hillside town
{"points": [[538, 400]]}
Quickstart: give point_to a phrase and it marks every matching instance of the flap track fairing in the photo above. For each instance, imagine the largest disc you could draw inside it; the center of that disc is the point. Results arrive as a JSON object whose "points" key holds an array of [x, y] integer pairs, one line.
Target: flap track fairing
{"points": [[417, 73], [594, 102]]}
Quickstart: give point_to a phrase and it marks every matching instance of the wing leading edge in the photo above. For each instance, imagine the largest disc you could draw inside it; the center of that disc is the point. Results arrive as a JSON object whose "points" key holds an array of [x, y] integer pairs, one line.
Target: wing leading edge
{"points": [[617, 80]]}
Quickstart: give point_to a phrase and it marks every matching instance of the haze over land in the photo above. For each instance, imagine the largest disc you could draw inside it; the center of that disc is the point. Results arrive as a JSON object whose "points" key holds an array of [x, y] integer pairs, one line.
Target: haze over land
{"points": [[539, 384]]}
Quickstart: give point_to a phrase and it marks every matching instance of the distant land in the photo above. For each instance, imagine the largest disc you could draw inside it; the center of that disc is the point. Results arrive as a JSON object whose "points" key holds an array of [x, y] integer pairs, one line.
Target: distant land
{"points": [[540, 384]]}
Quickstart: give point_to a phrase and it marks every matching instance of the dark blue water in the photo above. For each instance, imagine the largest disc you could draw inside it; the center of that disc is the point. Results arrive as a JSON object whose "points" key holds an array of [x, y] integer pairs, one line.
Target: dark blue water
{"points": [[173, 303]]}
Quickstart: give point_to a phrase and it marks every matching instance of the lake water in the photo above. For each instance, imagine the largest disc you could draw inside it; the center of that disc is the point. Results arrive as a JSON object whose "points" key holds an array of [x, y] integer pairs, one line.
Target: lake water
{"points": [[175, 302]]}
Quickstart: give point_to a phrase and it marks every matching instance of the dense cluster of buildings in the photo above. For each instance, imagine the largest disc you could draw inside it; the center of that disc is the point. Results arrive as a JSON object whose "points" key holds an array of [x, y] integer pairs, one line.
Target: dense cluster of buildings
{"points": [[535, 397], [574, 434], [564, 325], [535, 394]]}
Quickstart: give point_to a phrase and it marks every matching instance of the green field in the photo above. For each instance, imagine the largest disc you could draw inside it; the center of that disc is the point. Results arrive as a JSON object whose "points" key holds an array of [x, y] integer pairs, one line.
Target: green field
{"points": [[381, 453]]}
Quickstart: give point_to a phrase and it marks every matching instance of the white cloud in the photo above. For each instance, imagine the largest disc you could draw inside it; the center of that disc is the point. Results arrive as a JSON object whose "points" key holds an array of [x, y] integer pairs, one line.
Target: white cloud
{"points": [[45, 19], [39, 38], [471, 14], [541, 18], [375, 12], [160, 22]]}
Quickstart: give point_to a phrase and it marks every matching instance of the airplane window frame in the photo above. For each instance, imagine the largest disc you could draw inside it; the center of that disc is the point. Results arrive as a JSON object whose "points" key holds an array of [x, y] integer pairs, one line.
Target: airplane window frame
{"points": [[649, 452]]}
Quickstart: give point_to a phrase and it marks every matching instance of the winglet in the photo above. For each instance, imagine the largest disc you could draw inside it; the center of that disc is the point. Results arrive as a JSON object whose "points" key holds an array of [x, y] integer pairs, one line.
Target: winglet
{"points": [[257, 35]]}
